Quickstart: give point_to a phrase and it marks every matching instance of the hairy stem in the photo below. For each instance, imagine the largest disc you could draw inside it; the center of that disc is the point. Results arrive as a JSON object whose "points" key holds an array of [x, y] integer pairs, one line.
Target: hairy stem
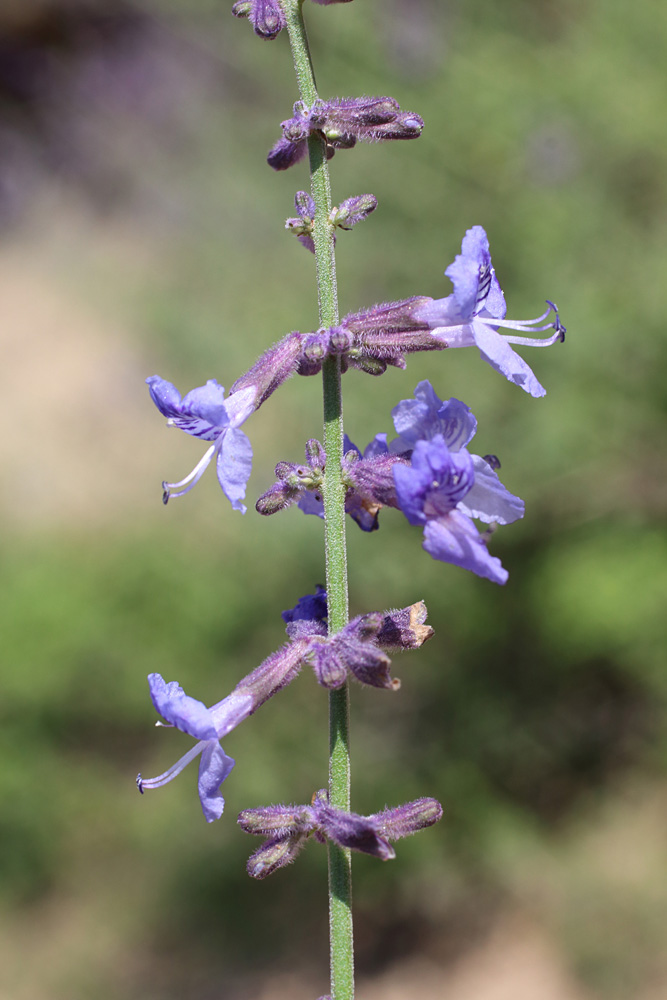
{"points": [[340, 878]]}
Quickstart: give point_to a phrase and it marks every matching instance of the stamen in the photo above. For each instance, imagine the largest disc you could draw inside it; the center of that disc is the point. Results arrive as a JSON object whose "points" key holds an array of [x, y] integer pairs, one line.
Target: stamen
{"points": [[170, 774], [193, 477], [529, 324], [485, 278]]}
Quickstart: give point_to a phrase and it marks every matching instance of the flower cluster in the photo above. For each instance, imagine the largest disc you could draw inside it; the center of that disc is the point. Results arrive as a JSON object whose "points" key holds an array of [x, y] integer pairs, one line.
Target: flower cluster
{"points": [[358, 651], [344, 216], [286, 829], [426, 472], [368, 340], [342, 122]]}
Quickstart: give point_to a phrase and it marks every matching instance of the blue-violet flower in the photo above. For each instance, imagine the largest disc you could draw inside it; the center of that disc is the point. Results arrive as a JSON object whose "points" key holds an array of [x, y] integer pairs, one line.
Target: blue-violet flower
{"points": [[476, 309], [205, 413], [209, 725]]}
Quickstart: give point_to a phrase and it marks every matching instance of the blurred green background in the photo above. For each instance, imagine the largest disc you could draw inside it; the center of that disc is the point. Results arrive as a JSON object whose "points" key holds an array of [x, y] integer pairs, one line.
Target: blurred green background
{"points": [[141, 232]]}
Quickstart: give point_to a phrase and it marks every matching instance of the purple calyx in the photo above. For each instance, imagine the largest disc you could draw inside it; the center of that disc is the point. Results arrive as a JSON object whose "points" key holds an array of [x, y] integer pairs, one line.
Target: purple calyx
{"points": [[341, 122], [287, 828]]}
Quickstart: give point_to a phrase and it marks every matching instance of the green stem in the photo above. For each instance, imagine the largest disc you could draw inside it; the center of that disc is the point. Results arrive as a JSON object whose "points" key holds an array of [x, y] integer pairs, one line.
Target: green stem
{"points": [[340, 877]]}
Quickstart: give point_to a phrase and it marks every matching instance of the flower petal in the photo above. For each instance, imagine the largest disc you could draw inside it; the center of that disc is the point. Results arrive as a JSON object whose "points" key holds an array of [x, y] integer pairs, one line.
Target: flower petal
{"points": [[455, 539], [166, 396], [488, 499], [426, 415], [229, 712], [174, 705], [411, 485], [207, 402], [214, 767], [499, 354], [311, 503], [446, 321], [473, 277], [240, 405], [378, 446], [234, 465]]}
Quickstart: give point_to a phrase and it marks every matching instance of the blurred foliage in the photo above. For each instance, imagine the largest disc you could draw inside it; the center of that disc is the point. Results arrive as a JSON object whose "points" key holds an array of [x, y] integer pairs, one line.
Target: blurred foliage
{"points": [[533, 703]]}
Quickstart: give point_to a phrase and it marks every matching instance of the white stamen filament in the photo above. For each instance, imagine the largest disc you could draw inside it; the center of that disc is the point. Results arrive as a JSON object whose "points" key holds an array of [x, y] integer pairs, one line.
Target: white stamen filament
{"points": [[170, 774], [529, 324], [194, 477]]}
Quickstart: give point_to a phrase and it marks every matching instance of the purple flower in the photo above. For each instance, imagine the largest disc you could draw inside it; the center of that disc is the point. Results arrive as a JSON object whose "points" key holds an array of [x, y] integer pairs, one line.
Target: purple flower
{"points": [[209, 725], [424, 418], [205, 413], [476, 309], [430, 493], [444, 486]]}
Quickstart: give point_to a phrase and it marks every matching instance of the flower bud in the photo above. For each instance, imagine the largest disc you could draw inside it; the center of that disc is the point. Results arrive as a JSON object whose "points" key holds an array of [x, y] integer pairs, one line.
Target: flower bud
{"points": [[348, 829], [404, 126], [274, 854], [266, 16], [287, 472], [315, 347], [342, 122], [330, 669], [315, 454], [353, 210], [276, 821], [402, 821], [304, 205], [277, 497], [367, 363], [286, 153], [340, 340]]}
